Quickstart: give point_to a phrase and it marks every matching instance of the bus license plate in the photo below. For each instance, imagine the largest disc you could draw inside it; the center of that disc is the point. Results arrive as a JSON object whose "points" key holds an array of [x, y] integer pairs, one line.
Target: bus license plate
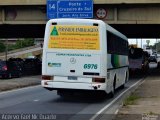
{"points": [[72, 78]]}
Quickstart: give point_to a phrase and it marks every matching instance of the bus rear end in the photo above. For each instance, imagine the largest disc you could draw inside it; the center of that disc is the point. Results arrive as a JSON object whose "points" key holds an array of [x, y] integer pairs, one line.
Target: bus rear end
{"points": [[74, 56]]}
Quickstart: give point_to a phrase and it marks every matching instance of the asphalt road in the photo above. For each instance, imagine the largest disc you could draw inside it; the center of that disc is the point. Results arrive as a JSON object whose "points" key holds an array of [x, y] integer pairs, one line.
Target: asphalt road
{"points": [[38, 101]]}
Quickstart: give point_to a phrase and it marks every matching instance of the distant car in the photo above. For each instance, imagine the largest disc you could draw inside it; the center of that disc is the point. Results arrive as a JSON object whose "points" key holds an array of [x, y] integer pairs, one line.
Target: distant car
{"points": [[158, 57], [152, 59], [32, 66], [9, 69], [138, 60], [18, 61]]}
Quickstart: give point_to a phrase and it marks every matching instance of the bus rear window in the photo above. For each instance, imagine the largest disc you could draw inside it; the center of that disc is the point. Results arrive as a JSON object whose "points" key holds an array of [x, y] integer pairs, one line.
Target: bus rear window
{"points": [[135, 53], [74, 37]]}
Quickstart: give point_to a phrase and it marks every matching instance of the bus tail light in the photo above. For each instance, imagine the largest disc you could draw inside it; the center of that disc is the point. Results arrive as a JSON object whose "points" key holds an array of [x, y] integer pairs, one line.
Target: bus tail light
{"points": [[99, 80], [47, 77]]}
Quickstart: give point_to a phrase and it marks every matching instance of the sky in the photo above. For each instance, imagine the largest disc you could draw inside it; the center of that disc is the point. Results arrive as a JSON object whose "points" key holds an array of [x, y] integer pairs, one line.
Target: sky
{"points": [[142, 42]]}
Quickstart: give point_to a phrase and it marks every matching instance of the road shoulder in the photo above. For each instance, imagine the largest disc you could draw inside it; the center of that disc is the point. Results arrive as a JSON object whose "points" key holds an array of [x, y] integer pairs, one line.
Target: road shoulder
{"points": [[143, 102], [14, 83]]}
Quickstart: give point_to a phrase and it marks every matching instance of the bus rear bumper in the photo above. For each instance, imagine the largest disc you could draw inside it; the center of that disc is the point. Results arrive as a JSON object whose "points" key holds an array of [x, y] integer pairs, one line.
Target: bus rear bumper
{"points": [[73, 85]]}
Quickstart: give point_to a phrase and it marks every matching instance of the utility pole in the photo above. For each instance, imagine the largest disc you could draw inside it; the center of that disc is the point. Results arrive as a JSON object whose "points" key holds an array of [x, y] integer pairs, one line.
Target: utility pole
{"points": [[136, 42], [141, 44], [6, 51], [156, 44]]}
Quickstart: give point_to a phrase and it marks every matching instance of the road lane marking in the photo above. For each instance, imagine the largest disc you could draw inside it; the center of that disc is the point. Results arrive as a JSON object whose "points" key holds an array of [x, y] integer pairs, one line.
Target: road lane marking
{"points": [[115, 99], [36, 100], [116, 112]]}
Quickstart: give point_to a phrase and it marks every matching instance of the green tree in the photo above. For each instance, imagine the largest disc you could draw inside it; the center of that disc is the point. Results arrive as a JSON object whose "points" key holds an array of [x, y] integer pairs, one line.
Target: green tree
{"points": [[28, 42], [156, 47], [2, 47], [22, 43], [18, 44]]}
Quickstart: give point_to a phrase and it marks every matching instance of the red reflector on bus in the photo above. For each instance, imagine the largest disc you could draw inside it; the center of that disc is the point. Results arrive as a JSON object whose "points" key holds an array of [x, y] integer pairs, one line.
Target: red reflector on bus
{"points": [[47, 77], [99, 80]]}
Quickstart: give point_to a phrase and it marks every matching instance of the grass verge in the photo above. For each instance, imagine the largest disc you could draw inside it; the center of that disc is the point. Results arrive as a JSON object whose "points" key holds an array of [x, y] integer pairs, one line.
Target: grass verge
{"points": [[130, 100]]}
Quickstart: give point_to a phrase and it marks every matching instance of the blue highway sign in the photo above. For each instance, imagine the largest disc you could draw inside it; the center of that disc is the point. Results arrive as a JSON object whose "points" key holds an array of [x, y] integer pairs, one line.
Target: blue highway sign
{"points": [[69, 9]]}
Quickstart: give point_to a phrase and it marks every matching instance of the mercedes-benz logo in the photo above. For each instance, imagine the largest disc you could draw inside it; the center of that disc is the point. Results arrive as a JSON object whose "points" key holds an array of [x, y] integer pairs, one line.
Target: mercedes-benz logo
{"points": [[73, 60]]}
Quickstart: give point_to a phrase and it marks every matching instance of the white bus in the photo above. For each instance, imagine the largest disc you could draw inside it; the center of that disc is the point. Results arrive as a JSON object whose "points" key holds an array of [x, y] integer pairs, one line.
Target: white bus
{"points": [[85, 55]]}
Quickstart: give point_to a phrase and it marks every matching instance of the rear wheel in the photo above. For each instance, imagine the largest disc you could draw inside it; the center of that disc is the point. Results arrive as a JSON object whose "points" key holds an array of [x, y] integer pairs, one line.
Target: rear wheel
{"points": [[9, 75], [19, 74], [113, 88], [126, 80], [64, 94]]}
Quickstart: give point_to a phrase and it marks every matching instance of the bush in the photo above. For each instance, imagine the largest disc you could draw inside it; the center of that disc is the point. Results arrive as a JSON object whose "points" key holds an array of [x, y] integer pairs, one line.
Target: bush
{"points": [[2, 47], [22, 43]]}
